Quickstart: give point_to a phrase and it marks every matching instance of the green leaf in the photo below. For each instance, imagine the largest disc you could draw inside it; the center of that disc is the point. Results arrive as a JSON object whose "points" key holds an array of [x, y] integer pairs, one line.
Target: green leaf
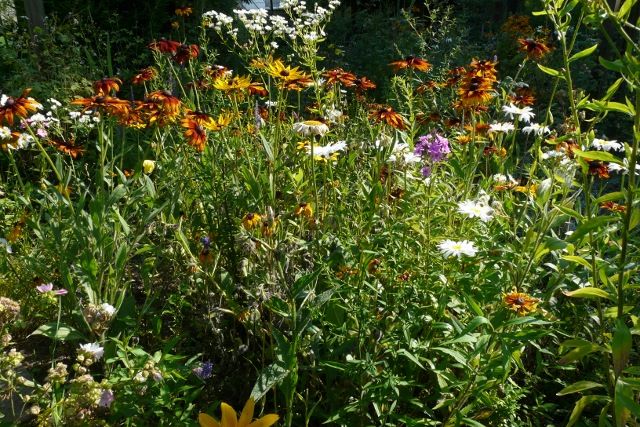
{"points": [[577, 260], [578, 387], [270, 376], [453, 353], [550, 71], [625, 9], [616, 195], [582, 403], [589, 292], [578, 353], [583, 53], [620, 346], [616, 66], [589, 226], [597, 155], [58, 332], [414, 359], [635, 219]]}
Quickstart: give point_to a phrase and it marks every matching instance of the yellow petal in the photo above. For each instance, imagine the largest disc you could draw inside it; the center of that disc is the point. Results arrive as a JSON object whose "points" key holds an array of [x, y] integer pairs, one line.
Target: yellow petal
{"points": [[228, 416], [207, 421], [247, 413], [266, 421]]}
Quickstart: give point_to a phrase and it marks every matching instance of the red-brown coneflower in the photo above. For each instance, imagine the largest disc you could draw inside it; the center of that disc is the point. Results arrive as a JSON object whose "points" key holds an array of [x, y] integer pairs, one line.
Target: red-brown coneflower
{"points": [[389, 116], [105, 85], [11, 107], [534, 49], [144, 75], [339, 76], [411, 62]]}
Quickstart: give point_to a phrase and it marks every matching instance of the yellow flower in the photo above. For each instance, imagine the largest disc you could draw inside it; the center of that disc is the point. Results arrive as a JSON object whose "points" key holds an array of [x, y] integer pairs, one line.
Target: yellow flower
{"points": [[227, 84], [304, 209], [148, 166], [521, 303], [251, 220], [288, 77], [229, 417]]}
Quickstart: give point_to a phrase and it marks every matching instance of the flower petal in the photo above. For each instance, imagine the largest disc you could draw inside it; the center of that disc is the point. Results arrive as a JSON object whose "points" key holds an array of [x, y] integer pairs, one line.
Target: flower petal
{"points": [[229, 418], [207, 421], [247, 413], [266, 421]]}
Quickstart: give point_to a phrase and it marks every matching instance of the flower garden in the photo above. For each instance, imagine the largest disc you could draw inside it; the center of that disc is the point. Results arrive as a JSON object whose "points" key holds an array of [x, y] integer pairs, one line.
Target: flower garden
{"points": [[290, 241]]}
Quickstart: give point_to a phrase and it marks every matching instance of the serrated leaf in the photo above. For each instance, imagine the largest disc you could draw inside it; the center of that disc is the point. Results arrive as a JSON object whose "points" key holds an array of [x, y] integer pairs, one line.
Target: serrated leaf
{"points": [[583, 53], [578, 387]]}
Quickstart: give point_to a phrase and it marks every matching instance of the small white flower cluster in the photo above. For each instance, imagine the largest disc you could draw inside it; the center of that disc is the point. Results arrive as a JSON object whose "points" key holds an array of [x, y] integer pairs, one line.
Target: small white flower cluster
{"points": [[254, 20], [400, 150], [5, 132], [216, 20], [87, 118], [309, 26], [40, 123], [54, 103]]}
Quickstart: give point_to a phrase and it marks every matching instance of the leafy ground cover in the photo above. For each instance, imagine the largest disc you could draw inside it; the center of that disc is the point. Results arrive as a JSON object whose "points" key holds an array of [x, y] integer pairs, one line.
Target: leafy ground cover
{"points": [[277, 237]]}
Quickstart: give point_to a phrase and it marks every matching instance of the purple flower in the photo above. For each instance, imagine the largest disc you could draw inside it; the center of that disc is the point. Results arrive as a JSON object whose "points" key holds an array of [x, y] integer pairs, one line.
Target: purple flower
{"points": [[204, 371], [48, 287], [106, 398], [426, 171], [206, 241], [42, 133], [435, 145]]}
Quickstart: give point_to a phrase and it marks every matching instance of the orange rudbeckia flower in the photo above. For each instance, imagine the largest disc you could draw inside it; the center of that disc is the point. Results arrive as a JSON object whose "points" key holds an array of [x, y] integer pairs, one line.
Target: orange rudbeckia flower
{"points": [[11, 107], [389, 116], [105, 85], [521, 303], [411, 62]]}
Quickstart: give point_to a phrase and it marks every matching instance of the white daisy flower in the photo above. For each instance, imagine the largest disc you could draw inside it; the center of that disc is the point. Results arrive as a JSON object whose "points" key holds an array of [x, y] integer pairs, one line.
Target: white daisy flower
{"points": [[501, 127], [475, 209], [451, 248], [624, 168], [327, 152], [311, 127], [602, 144], [536, 128], [524, 114]]}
